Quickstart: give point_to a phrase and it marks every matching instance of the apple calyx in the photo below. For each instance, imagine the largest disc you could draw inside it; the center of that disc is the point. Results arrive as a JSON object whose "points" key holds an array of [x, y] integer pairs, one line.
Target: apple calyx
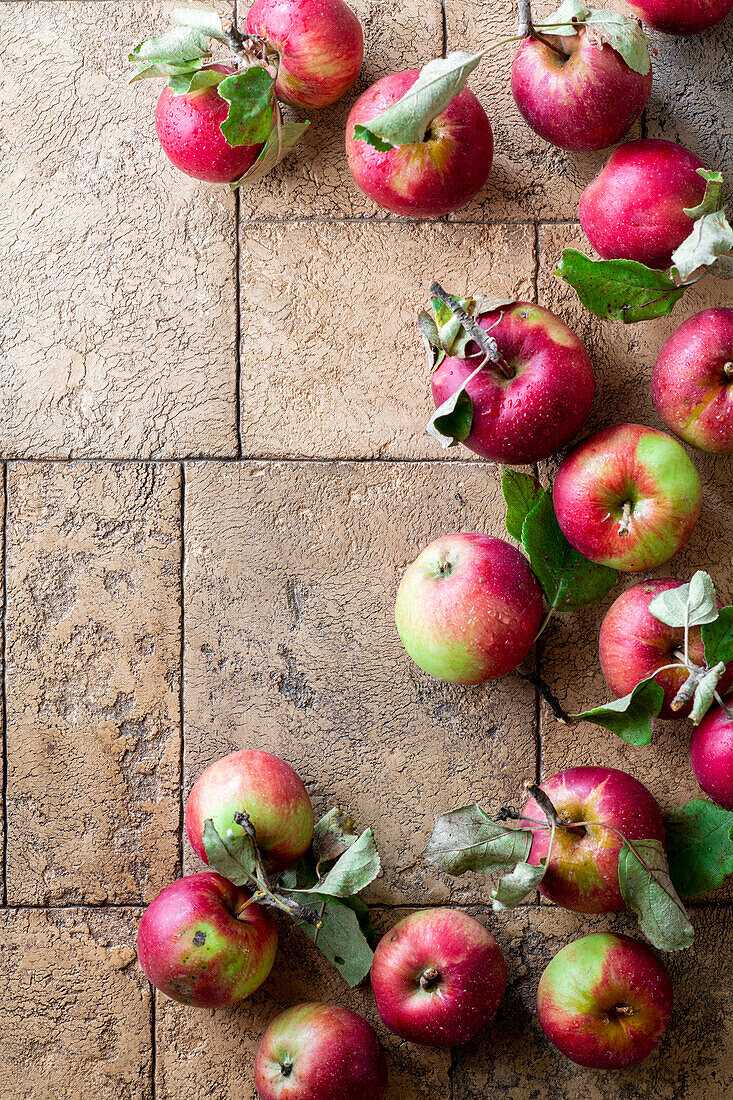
{"points": [[319, 892], [627, 291], [690, 605], [467, 839], [430, 979]]}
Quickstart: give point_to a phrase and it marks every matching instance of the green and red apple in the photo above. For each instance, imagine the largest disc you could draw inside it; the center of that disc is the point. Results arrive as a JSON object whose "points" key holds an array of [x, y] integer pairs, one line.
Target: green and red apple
{"points": [[682, 17]]}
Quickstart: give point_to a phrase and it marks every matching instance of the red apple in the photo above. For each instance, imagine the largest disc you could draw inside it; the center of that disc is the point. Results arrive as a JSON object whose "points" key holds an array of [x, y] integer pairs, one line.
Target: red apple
{"points": [[627, 497], [266, 788], [634, 209], [203, 943], [583, 871], [692, 381], [189, 129], [431, 177], [682, 16], [605, 1001], [320, 1052], [584, 97], [468, 608], [438, 977], [320, 43], [711, 756], [544, 404], [633, 644]]}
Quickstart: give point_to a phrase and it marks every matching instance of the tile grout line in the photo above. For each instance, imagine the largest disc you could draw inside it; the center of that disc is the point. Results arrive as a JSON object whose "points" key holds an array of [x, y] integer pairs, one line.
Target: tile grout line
{"points": [[153, 1046], [182, 654], [3, 686], [237, 326]]}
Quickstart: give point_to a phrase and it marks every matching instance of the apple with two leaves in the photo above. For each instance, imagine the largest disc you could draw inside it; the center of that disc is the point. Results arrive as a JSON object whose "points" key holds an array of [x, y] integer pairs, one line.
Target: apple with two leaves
{"points": [[521, 395], [582, 77], [692, 381], [682, 17], [468, 608], [711, 755], [204, 942], [320, 1052], [605, 1001], [438, 977], [627, 497]]}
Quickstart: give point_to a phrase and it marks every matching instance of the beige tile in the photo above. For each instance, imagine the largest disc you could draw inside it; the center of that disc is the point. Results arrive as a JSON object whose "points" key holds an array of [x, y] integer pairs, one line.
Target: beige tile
{"points": [[209, 1055], [74, 1007], [694, 1059], [291, 573], [530, 178], [93, 651], [118, 309], [333, 364], [314, 180]]}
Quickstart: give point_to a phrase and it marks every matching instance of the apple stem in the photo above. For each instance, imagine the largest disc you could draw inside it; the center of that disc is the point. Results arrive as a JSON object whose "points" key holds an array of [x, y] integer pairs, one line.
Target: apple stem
{"points": [[473, 328], [264, 893], [728, 369], [545, 691], [527, 29], [429, 978], [545, 804]]}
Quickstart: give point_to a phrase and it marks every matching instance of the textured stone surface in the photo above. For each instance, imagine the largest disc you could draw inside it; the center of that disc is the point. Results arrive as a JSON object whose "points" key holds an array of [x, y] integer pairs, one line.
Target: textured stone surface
{"points": [[210, 1055], [79, 1006], [93, 650], [333, 364], [314, 180], [293, 648], [514, 1059], [124, 265]]}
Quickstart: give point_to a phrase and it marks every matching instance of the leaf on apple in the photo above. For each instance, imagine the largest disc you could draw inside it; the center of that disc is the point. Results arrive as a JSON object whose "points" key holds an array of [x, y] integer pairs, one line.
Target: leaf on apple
{"points": [[431, 336], [332, 835], [629, 717], [699, 841], [712, 200], [173, 73], [451, 422], [647, 889], [512, 889], [710, 238], [521, 493], [692, 604], [205, 21], [604, 27], [340, 937], [177, 46], [406, 122], [232, 856], [467, 839], [705, 693], [184, 83], [619, 290], [275, 149], [717, 637], [568, 580], [251, 98], [354, 869]]}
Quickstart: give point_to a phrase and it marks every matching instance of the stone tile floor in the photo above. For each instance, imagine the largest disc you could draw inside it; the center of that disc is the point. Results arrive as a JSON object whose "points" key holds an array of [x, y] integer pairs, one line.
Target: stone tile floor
{"points": [[214, 472]]}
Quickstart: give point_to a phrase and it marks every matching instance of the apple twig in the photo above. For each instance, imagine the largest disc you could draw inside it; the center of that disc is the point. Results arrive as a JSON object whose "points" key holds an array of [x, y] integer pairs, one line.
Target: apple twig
{"points": [[547, 694], [473, 328]]}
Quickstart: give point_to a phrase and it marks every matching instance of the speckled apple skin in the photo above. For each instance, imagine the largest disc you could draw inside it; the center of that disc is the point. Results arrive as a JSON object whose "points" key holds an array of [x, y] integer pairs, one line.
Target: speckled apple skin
{"points": [[682, 17]]}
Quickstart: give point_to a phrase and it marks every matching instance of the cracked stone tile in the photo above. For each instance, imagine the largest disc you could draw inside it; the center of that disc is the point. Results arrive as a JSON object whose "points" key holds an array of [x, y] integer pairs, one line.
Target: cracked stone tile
{"points": [[209, 1055], [333, 364], [79, 1006], [93, 652], [291, 574], [125, 265], [314, 180]]}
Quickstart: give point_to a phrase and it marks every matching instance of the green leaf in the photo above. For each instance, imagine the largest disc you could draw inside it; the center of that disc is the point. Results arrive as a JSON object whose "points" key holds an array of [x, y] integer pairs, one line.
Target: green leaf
{"points": [[604, 27], [206, 21], [232, 856], [717, 638], [568, 579], [705, 693], [649, 894], [451, 422], [467, 839], [332, 835], [178, 45], [712, 199], [273, 151], [431, 337], [356, 868], [693, 604], [251, 96], [710, 238], [155, 69], [340, 937], [620, 290], [512, 889], [406, 122], [192, 82], [699, 847], [631, 716], [521, 493]]}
